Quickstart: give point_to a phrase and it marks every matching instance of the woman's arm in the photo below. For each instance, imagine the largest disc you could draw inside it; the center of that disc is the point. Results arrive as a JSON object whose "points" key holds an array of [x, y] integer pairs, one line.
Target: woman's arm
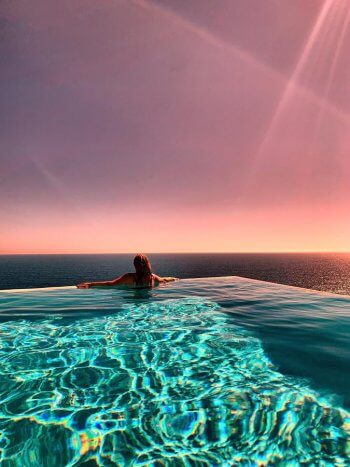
{"points": [[119, 280], [164, 279]]}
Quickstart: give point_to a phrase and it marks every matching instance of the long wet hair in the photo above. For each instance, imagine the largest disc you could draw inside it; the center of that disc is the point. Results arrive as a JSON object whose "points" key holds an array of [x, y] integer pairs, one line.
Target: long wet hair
{"points": [[143, 268]]}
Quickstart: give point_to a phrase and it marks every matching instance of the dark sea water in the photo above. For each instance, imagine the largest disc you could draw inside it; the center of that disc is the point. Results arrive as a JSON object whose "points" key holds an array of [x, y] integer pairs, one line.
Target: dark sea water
{"points": [[319, 271]]}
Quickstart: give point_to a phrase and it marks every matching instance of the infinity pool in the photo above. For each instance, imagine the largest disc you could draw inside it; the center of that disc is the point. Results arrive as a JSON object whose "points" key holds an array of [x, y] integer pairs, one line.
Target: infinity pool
{"points": [[206, 372]]}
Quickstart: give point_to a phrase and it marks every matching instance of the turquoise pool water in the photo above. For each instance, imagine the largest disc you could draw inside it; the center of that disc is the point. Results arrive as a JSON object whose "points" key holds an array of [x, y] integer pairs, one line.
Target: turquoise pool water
{"points": [[201, 372]]}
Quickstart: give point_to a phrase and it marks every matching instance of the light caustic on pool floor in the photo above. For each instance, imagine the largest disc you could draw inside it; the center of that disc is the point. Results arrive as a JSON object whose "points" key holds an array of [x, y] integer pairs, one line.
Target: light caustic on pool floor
{"points": [[171, 382]]}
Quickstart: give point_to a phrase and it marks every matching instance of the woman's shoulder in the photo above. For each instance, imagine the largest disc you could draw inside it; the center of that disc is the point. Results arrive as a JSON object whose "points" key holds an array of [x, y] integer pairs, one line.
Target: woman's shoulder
{"points": [[127, 278]]}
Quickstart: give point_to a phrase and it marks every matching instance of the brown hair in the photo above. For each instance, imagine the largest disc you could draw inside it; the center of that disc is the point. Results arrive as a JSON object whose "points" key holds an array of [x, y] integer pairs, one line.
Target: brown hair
{"points": [[143, 268]]}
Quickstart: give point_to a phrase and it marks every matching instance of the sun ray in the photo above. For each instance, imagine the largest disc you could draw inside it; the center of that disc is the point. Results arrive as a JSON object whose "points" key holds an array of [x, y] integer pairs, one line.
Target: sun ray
{"points": [[250, 59], [56, 184], [292, 84], [334, 63], [51, 179]]}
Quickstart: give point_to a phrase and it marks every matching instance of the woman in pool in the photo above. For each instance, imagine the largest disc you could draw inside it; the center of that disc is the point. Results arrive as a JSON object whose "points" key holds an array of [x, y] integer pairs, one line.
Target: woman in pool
{"points": [[142, 277]]}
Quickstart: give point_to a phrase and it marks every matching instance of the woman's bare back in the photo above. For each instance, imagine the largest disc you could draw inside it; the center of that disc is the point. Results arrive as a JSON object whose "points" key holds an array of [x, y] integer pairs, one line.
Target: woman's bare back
{"points": [[143, 277]]}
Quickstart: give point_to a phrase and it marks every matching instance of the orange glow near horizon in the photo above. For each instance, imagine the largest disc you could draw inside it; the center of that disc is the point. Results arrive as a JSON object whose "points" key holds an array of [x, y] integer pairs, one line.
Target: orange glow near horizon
{"points": [[323, 231]]}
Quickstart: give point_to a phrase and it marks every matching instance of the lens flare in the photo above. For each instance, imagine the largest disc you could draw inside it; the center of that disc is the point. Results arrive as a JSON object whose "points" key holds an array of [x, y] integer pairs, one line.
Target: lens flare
{"points": [[322, 28]]}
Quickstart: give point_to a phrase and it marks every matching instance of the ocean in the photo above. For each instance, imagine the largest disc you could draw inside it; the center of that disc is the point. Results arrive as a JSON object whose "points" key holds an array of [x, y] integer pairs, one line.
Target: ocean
{"points": [[319, 271]]}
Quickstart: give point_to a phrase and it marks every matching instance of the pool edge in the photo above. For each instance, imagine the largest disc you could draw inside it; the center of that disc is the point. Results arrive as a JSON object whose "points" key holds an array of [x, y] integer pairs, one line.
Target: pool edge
{"points": [[313, 291]]}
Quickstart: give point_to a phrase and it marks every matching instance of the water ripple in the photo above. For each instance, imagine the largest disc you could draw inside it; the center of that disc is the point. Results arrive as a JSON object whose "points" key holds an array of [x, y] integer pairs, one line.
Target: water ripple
{"points": [[171, 381]]}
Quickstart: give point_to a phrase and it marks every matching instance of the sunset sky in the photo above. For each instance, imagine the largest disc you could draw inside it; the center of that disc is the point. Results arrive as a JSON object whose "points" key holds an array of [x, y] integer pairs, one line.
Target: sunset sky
{"points": [[174, 125]]}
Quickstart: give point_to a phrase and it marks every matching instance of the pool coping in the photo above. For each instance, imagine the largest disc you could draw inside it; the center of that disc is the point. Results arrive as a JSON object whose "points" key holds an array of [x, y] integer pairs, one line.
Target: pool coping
{"points": [[239, 278]]}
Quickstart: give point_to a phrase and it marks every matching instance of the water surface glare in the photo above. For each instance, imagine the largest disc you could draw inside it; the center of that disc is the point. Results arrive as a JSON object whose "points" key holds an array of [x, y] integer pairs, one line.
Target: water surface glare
{"points": [[223, 371]]}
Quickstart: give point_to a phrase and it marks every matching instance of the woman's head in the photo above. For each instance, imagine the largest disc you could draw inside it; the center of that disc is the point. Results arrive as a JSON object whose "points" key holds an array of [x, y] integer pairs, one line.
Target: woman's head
{"points": [[142, 265]]}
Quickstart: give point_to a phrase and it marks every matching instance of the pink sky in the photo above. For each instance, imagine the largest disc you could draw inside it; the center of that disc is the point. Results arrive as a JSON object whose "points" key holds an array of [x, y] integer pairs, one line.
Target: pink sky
{"points": [[174, 125]]}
